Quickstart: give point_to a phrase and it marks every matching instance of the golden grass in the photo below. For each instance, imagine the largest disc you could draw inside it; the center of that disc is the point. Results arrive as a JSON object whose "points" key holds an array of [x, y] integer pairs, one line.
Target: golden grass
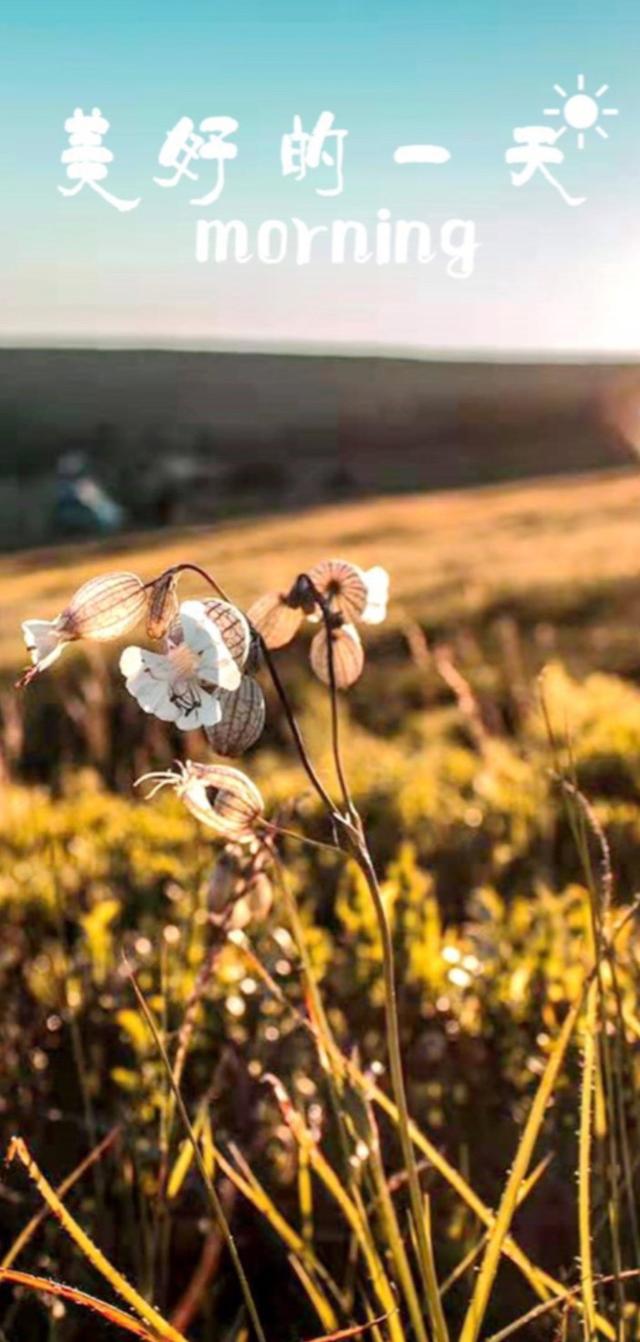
{"points": [[451, 555]]}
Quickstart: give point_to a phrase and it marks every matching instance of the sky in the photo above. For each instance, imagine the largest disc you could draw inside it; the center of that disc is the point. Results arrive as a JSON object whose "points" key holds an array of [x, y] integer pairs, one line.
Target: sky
{"points": [[546, 277]]}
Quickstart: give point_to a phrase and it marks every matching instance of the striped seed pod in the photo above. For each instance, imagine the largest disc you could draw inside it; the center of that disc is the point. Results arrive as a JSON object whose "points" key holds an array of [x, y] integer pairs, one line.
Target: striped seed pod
{"points": [[243, 718], [274, 619], [233, 627], [347, 652], [222, 798], [343, 587], [104, 608]]}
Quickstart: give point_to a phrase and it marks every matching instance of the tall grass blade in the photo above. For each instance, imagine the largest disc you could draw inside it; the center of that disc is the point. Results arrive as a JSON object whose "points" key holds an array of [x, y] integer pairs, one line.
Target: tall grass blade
{"points": [[486, 1277], [542, 1283], [109, 1312], [584, 1162], [353, 1212], [216, 1205], [61, 1191], [161, 1328]]}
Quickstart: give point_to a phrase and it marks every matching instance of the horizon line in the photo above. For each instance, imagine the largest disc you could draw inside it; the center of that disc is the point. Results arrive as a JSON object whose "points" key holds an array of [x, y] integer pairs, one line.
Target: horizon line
{"points": [[315, 349]]}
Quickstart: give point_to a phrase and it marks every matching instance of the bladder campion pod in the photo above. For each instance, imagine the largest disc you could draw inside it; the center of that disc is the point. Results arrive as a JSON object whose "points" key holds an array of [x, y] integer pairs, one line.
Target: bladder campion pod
{"points": [[242, 721], [347, 652], [220, 797], [103, 608]]}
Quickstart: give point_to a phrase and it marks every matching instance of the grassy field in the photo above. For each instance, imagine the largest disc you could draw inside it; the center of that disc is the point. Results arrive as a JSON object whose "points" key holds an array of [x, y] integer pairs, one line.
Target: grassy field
{"points": [[548, 548], [499, 887]]}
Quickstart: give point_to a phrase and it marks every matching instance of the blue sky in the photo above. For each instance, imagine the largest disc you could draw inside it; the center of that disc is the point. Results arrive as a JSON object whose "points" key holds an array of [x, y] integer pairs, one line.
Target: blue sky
{"points": [[463, 75]]}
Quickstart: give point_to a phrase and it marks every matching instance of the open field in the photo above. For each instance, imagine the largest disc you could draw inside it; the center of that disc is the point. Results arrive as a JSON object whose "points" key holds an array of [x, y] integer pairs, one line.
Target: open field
{"points": [[192, 437], [545, 546], [500, 898]]}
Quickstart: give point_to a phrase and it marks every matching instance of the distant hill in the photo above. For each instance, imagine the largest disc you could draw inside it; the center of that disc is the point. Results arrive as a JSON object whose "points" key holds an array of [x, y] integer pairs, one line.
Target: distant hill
{"points": [[182, 436]]}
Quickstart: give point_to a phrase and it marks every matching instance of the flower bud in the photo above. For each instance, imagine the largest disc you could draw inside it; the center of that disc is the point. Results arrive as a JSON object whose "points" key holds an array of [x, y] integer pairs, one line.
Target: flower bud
{"points": [[239, 890], [243, 718], [255, 904], [302, 594], [105, 608], [163, 606], [347, 653]]}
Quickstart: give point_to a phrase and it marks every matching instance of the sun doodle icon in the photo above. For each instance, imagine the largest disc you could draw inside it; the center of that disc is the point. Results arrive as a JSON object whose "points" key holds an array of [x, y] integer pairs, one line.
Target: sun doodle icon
{"points": [[581, 111]]}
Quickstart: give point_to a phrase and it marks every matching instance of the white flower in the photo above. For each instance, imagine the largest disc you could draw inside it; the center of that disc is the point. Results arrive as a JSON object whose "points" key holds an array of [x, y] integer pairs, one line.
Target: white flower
{"points": [[377, 581], [181, 686], [45, 640]]}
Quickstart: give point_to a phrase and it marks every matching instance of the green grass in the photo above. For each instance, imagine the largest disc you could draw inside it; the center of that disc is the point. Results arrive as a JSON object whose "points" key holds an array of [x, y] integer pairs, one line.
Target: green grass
{"points": [[491, 880]]}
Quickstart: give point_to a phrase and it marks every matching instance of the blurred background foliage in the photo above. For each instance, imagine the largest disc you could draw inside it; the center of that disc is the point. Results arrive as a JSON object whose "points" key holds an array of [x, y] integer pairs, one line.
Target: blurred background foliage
{"points": [[490, 915]]}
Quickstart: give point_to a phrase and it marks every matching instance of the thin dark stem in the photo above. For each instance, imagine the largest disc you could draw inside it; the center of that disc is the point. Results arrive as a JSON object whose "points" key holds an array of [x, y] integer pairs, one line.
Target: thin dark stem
{"points": [[272, 829], [316, 782], [202, 573], [335, 721]]}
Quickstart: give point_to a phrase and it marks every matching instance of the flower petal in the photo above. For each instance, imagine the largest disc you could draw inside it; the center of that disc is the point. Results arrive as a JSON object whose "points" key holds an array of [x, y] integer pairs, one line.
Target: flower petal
{"points": [[203, 636], [377, 581], [147, 677], [155, 664], [44, 640], [206, 712], [233, 627], [217, 667]]}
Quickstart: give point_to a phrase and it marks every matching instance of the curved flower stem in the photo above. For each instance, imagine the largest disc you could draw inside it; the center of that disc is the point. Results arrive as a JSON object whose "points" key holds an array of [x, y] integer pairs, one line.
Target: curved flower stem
{"points": [[201, 572], [315, 781]]}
